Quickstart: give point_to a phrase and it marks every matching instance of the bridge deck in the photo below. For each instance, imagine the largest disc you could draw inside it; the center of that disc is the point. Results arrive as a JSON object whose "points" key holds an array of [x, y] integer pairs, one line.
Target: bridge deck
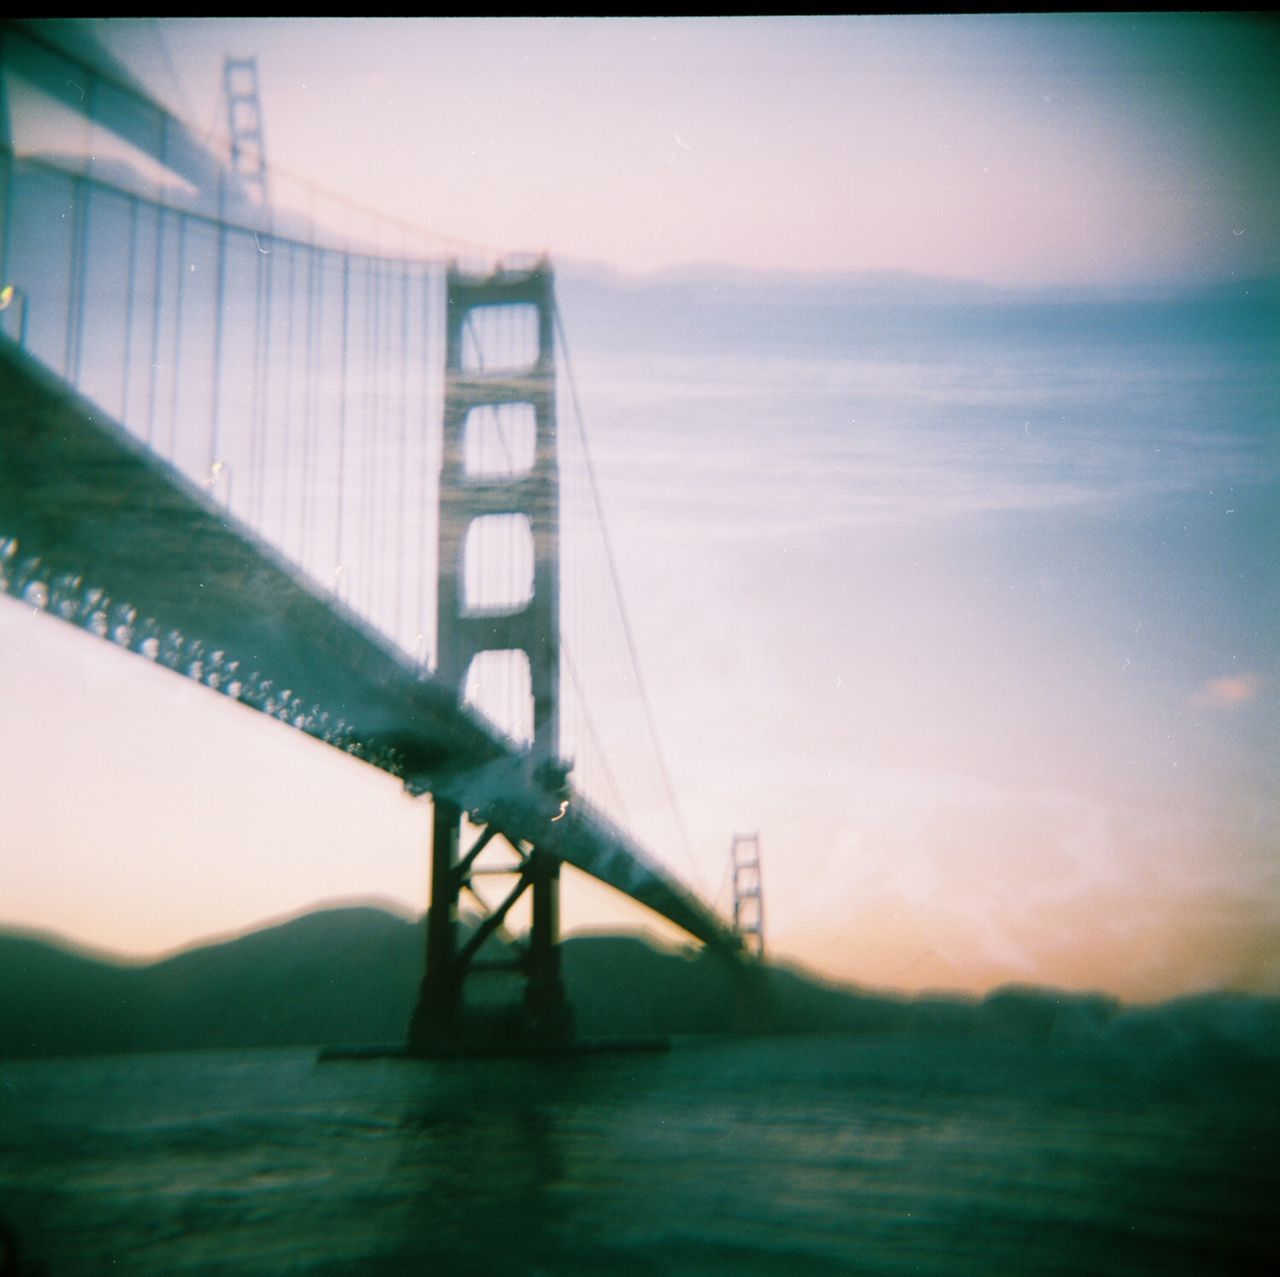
{"points": [[88, 505]]}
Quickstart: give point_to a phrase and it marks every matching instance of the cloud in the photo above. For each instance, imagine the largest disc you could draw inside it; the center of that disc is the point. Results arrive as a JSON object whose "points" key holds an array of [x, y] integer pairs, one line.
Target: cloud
{"points": [[1228, 692]]}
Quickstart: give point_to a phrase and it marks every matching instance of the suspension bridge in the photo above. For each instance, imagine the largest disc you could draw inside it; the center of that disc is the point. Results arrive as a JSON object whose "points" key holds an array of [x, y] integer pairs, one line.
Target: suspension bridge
{"points": [[316, 463]]}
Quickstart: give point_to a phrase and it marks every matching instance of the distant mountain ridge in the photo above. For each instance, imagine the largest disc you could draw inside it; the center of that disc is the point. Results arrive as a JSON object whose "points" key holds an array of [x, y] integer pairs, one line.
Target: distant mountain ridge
{"points": [[351, 975], [731, 314], [726, 284]]}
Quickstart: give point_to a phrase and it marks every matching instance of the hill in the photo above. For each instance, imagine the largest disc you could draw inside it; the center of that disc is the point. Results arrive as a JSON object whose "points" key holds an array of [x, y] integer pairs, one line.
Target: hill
{"points": [[351, 975]]}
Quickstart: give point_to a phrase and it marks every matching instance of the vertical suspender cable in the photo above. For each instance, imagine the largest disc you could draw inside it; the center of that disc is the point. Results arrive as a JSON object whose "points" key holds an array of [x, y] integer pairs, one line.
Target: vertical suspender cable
{"points": [[256, 442], [309, 447], [371, 433], [402, 457], [342, 418], [157, 300], [286, 471], [427, 651], [378, 449], [75, 300], [219, 293], [177, 336], [268, 321], [127, 357], [158, 291], [82, 195], [364, 450], [381, 449], [6, 178]]}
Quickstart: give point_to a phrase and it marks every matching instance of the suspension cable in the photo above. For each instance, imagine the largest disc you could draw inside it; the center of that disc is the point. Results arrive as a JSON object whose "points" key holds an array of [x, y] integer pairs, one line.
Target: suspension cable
{"points": [[590, 723], [641, 689]]}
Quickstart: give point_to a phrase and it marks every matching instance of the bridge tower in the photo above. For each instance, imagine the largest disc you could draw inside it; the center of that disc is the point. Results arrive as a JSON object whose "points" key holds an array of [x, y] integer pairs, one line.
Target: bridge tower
{"points": [[244, 127], [748, 902], [752, 990], [477, 398]]}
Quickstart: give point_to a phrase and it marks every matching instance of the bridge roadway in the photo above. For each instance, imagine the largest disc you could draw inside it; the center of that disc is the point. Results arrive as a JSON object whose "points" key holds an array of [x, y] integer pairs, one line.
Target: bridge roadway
{"points": [[92, 509]]}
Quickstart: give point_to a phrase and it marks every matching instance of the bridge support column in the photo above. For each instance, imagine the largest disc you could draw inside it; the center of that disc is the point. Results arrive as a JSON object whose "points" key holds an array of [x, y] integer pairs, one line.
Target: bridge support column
{"points": [[437, 1019], [546, 1009], [498, 466]]}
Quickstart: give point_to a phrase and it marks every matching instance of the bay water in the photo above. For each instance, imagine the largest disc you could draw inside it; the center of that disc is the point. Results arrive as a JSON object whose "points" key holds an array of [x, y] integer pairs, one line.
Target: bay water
{"points": [[886, 1154]]}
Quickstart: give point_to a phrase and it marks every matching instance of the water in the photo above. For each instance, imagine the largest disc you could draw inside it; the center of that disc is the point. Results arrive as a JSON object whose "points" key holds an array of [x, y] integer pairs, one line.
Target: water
{"points": [[879, 1155]]}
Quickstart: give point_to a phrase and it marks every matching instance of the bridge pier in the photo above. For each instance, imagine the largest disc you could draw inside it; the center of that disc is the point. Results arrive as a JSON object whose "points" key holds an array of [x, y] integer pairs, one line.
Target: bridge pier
{"points": [[437, 1018], [442, 1023], [547, 1015]]}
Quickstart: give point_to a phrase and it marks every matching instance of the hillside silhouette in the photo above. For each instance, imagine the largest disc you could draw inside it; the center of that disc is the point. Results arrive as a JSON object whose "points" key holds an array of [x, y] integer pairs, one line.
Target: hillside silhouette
{"points": [[350, 975]]}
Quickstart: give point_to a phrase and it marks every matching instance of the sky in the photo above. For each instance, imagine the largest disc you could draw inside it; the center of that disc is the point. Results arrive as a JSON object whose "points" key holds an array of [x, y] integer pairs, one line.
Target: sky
{"points": [[1066, 779], [1013, 149]]}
